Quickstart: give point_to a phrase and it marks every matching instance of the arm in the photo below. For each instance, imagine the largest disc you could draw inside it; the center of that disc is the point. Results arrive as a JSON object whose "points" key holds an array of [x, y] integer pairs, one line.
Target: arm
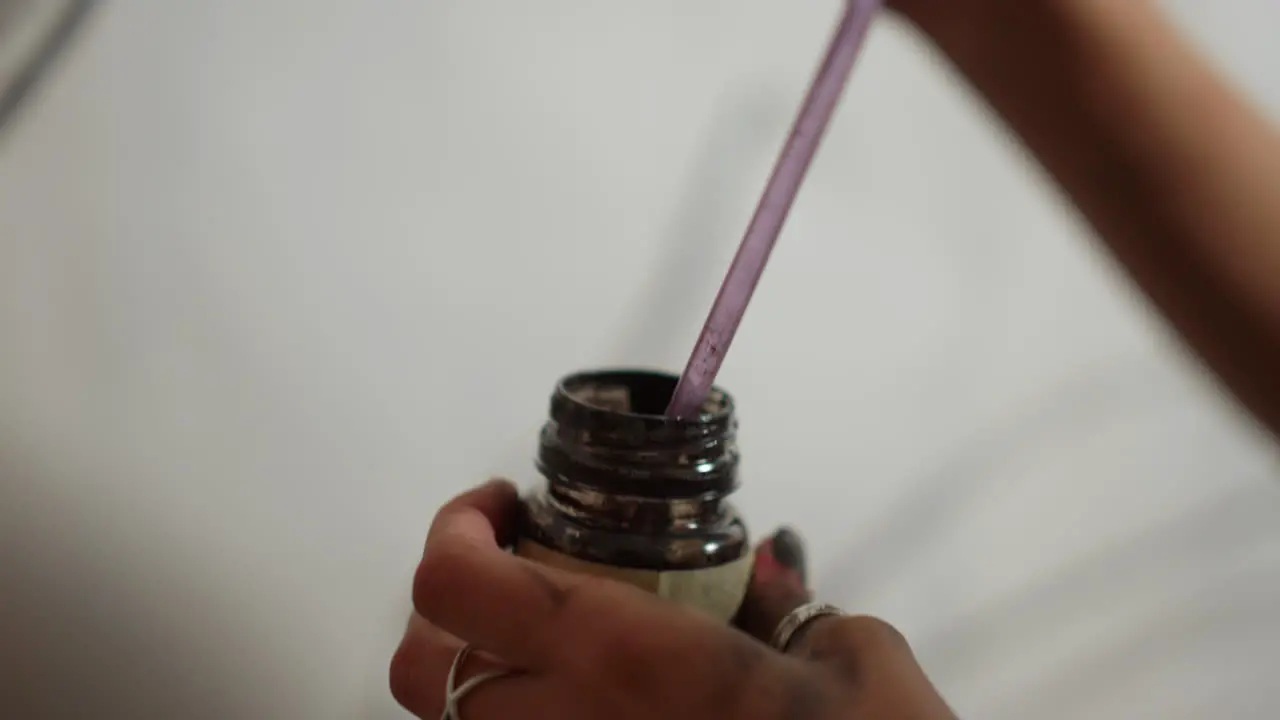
{"points": [[1175, 172]]}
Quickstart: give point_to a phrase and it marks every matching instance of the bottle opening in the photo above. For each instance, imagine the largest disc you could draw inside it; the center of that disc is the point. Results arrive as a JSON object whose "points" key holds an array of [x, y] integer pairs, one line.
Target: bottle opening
{"points": [[640, 393]]}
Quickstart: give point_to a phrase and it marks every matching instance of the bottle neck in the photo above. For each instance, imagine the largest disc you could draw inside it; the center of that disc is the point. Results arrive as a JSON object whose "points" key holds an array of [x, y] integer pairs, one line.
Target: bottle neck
{"points": [[628, 486], [593, 507], [606, 433]]}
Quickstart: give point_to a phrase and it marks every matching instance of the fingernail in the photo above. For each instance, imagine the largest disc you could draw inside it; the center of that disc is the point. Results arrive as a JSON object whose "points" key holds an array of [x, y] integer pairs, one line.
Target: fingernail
{"points": [[788, 550]]}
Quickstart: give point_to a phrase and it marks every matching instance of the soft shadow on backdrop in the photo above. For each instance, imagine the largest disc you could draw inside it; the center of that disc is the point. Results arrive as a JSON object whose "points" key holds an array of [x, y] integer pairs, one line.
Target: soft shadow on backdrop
{"points": [[278, 277]]}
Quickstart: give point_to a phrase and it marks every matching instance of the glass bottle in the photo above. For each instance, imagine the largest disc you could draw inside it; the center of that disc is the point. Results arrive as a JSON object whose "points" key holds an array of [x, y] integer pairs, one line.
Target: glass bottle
{"points": [[639, 497]]}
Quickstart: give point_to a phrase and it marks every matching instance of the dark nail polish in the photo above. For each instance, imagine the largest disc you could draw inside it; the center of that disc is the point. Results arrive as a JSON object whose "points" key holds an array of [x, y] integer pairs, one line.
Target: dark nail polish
{"points": [[788, 550]]}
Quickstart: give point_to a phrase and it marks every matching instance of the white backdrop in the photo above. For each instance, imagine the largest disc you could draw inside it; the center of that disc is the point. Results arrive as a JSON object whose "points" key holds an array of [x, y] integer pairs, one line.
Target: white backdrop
{"points": [[277, 277]]}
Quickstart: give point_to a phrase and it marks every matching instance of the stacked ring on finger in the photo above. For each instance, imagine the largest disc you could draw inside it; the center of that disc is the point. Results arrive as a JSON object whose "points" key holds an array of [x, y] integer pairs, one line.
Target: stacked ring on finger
{"points": [[800, 618], [453, 693], [433, 674]]}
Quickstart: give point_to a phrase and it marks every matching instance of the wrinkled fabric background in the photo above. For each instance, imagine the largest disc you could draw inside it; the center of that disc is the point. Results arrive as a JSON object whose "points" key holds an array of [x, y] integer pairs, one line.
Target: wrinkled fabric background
{"points": [[279, 277]]}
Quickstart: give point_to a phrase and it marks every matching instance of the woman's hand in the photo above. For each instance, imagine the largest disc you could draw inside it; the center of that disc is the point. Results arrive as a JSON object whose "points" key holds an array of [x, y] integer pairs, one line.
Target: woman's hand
{"points": [[585, 647]]}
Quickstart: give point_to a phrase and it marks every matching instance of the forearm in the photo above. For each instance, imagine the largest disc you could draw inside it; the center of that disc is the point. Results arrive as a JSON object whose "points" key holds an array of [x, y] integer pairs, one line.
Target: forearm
{"points": [[1175, 172]]}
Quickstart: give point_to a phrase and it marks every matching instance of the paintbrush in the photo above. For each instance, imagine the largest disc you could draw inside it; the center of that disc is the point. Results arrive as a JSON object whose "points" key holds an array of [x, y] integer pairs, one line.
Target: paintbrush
{"points": [[775, 203]]}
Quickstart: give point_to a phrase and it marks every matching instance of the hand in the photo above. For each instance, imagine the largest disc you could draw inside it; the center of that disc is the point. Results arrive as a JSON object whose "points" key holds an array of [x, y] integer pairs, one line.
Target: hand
{"points": [[585, 647], [933, 16]]}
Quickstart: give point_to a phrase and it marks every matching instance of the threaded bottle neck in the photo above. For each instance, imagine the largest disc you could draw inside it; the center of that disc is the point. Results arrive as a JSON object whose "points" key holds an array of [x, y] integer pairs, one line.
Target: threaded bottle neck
{"points": [[628, 487], [606, 433]]}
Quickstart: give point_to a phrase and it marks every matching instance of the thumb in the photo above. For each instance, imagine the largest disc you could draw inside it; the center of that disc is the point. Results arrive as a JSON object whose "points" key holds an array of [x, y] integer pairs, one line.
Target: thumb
{"points": [[778, 584]]}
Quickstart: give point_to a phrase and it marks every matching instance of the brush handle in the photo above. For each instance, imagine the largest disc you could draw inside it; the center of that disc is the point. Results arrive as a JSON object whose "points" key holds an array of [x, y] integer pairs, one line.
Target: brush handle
{"points": [[780, 192]]}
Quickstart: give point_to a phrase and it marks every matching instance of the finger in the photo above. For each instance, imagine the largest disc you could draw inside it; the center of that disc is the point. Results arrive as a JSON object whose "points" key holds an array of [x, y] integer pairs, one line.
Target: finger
{"points": [[869, 654], [420, 671], [468, 585], [778, 585], [496, 503]]}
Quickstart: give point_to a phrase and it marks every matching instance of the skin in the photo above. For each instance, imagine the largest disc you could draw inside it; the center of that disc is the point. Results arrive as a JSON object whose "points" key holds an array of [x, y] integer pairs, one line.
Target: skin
{"points": [[1180, 179], [1177, 174]]}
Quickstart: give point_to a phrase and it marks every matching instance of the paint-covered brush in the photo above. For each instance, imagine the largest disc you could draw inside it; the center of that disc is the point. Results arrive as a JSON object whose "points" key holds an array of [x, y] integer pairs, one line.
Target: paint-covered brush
{"points": [[780, 192]]}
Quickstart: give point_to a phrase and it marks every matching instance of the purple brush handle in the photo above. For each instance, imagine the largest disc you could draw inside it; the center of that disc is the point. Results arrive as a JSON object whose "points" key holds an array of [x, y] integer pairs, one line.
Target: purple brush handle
{"points": [[748, 265]]}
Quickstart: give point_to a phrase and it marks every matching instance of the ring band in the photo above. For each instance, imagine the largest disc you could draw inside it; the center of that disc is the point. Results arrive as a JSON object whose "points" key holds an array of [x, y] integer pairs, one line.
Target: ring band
{"points": [[797, 620], [453, 695]]}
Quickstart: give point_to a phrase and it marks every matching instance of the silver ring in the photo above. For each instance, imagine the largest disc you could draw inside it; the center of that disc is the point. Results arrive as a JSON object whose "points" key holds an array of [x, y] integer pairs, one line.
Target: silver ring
{"points": [[797, 619], [453, 695]]}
